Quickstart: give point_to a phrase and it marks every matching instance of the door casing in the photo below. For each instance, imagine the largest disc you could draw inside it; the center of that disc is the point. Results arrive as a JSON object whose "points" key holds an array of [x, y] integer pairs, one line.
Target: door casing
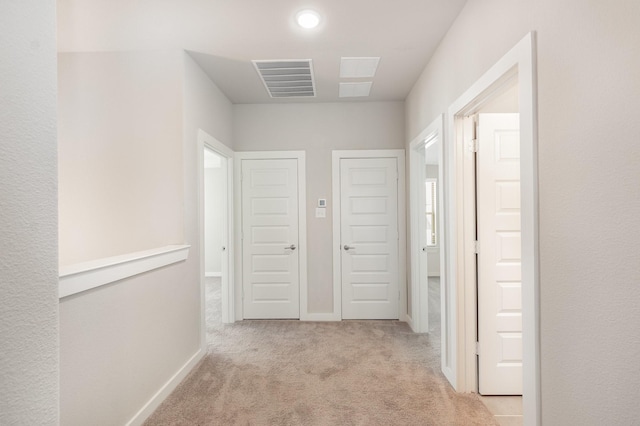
{"points": [[399, 155], [519, 63]]}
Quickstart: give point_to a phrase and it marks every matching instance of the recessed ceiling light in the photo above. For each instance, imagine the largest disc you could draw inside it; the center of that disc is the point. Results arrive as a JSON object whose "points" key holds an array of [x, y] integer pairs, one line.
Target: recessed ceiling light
{"points": [[308, 18]]}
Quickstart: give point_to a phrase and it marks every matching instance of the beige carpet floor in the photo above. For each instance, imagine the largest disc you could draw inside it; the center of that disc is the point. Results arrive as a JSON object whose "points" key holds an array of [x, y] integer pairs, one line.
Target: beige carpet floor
{"points": [[305, 373]]}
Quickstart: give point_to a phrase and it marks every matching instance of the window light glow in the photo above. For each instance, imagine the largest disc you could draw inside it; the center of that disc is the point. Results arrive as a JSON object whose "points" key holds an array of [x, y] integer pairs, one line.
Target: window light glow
{"points": [[308, 19]]}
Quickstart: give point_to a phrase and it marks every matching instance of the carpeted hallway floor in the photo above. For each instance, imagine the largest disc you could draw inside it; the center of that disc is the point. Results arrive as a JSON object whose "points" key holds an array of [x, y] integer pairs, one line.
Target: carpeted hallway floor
{"points": [[305, 373]]}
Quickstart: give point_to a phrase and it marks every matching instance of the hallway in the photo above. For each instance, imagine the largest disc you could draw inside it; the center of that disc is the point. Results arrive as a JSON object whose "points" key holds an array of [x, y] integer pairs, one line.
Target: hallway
{"points": [[306, 373]]}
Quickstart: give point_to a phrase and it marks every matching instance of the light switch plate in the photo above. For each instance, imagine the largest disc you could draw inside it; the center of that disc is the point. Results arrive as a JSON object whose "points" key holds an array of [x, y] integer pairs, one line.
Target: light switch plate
{"points": [[321, 212]]}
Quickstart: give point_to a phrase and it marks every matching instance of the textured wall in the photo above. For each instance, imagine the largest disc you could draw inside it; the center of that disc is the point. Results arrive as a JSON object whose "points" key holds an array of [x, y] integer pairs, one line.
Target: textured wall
{"points": [[318, 129], [588, 61], [28, 215]]}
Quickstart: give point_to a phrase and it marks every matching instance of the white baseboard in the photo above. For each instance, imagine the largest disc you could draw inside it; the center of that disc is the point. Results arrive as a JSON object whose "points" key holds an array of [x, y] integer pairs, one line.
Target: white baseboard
{"points": [[409, 321], [165, 390], [213, 274], [320, 317]]}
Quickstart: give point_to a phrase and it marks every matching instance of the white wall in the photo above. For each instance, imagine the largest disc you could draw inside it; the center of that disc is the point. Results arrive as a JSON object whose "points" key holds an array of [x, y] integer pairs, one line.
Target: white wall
{"points": [[206, 108], [28, 215], [213, 194], [122, 342], [588, 57], [318, 129], [120, 158]]}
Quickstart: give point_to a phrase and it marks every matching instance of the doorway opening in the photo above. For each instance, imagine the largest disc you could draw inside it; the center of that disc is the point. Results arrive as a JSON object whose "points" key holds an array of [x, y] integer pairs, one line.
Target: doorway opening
{"points": [[214, 246], [215, 164], [430, 291], [517, 68]]}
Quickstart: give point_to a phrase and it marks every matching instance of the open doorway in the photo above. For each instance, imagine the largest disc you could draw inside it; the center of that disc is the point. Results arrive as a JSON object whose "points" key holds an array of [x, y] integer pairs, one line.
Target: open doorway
{"points": [[430, 292], [214, 244], [215, 165], [517, 68], [495, 130]]}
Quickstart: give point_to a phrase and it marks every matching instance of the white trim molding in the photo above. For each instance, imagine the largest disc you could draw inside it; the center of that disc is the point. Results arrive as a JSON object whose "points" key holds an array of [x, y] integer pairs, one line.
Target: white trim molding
{"points": [[399, 155], [87, 275], [519, 63], [166, 389]]}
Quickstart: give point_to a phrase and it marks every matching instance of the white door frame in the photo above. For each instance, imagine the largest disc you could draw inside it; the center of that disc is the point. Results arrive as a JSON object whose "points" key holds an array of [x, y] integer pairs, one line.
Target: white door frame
{"points": [[302, 222], [518, 63], [399, 155], [419, 320], [227, 281]]}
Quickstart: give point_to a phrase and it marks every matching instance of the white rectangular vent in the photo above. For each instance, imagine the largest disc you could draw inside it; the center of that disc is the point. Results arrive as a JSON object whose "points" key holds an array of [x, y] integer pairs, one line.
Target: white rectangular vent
{"points": [[287, 78], [355, 90], [358, 67]]}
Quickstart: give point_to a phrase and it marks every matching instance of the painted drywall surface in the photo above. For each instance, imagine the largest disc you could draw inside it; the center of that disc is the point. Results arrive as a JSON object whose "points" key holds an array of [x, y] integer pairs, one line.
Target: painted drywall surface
{"points": [[212, 220], [208, 107], [122, 342], [318, 129], [589, 195], [28, 215], [121, 183]]}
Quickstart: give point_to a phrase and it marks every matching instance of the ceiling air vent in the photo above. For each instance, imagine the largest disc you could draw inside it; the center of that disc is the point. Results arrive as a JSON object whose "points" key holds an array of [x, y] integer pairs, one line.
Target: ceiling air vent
{"points": [[287, 78]]}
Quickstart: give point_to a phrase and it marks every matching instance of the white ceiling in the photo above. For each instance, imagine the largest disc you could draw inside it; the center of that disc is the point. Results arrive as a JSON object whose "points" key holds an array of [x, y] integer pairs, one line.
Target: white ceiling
{"points": [[223, 36]]}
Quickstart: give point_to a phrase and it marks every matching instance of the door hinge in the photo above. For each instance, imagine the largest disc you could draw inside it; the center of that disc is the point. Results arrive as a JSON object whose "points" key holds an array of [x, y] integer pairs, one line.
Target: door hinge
{"points": [[476, 247], [477, 348], [473, 145]]}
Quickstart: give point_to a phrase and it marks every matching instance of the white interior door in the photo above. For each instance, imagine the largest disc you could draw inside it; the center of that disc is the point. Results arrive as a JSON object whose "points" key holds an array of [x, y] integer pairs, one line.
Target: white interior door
{"points": [[369, 238], [270, 255], [499, 259]]}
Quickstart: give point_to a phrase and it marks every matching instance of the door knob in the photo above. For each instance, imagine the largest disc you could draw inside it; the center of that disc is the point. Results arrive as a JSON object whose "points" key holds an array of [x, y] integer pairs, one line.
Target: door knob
{"points": [[291, 247], [347, 248]]}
